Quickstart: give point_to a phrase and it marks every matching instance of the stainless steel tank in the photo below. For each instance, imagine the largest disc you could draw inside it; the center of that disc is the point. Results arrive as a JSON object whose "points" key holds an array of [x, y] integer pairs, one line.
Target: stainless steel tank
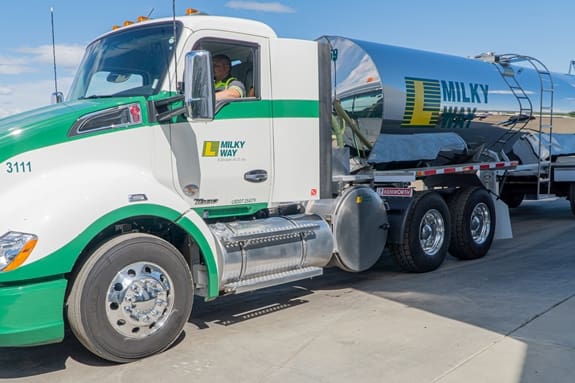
{"points": [[394, 90], [360, 226], [264, 247]]}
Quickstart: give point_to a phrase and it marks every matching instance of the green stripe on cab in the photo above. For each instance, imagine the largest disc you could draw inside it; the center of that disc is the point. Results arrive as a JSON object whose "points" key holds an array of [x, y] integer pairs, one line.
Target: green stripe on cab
{"points": [[269, 109]]}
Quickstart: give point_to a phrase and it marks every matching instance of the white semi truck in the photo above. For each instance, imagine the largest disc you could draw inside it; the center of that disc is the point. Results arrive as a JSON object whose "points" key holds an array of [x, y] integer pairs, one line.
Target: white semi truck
{"points": [[139, 192]]}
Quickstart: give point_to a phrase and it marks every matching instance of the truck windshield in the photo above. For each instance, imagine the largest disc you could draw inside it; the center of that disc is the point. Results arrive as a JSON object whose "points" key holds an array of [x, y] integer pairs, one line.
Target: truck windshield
{"points": [[133, 62]]}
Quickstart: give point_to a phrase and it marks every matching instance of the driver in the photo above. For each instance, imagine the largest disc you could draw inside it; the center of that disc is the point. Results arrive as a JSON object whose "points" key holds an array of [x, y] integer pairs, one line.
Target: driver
{"points": [[225, 85]]}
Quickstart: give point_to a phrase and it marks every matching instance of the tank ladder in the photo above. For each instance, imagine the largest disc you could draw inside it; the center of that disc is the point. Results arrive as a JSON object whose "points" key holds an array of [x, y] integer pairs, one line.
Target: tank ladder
{"points": [[545, 126], [516, 123]]}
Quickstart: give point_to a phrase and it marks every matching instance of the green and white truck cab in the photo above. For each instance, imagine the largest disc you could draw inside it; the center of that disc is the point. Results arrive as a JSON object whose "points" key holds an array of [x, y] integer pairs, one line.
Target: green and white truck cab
{"points": [[119, 158]]}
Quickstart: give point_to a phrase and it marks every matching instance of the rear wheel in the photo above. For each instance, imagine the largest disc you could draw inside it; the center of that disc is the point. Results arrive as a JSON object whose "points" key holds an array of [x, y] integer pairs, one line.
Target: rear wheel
{"points": [[572, 197], [425, 236], [512, 200], [131, 298], [472, 223]]}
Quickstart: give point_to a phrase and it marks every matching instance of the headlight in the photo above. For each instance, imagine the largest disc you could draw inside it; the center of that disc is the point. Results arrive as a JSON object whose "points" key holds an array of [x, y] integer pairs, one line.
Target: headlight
{"points": [[15, 248]]}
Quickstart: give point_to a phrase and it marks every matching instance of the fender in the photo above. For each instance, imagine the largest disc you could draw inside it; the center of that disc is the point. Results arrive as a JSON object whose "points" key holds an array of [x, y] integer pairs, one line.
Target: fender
{"points": [[198, 230], [62, 260], [397, 215], [66, 203]]}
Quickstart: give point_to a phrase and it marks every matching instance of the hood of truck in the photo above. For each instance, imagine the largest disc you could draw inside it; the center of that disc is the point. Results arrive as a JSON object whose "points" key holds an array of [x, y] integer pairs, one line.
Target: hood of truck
{"points": [[50, 125]]}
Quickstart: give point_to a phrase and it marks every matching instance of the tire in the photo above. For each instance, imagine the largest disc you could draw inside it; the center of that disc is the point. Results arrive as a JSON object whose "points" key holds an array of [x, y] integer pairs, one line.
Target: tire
{"points": [[571, 197], [426, 234], [512, 200], [472, 223], [131, 298]]}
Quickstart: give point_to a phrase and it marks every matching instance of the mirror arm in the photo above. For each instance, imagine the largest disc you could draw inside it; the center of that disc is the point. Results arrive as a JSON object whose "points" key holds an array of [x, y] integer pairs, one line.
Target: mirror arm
{"points": [[167, 115], [169, 100], [161, 117]]}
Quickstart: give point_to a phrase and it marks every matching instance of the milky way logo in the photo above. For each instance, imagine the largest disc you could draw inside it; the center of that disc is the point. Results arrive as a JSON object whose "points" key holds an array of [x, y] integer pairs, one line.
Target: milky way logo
{"points": [[229, 149], [422, 104]]}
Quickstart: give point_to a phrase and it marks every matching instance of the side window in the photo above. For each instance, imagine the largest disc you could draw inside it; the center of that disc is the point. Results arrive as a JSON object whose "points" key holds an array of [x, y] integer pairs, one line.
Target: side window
{"points": [[242, 69]]}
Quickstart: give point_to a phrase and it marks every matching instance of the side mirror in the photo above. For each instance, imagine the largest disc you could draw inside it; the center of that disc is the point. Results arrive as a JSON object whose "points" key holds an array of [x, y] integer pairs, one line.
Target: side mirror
{"points": [[199, 95]]}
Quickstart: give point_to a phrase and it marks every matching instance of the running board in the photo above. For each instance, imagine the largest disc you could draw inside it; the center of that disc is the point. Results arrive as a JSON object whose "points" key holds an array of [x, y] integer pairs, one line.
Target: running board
{"points": [[272, 280]]}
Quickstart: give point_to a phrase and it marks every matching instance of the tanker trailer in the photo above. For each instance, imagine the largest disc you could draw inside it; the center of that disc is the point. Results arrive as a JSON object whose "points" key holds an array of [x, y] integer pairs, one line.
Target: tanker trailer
{"points": [[415, 108]]}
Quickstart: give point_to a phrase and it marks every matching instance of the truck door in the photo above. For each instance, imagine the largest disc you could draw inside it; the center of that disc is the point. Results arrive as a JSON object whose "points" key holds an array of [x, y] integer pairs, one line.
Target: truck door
{"points": [[223, 167]]}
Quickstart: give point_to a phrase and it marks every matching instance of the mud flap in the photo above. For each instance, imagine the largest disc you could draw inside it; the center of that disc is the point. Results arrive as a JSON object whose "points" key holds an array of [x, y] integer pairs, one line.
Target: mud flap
{"points": [[503, 220]]}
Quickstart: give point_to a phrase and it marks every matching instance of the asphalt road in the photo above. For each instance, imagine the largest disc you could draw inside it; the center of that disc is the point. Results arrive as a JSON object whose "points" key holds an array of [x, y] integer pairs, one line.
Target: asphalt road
{"points": [[504, 318]]}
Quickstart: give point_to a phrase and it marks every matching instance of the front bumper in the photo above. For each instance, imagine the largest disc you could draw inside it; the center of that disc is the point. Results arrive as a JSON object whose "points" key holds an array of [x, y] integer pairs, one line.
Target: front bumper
{"points": [[32, 314]]}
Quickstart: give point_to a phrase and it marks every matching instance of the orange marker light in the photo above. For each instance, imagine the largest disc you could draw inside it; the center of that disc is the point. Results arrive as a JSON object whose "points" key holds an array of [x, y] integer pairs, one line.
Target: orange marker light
{"points": [[22, 255], [191, 11], [142, 18], [128, 22]]}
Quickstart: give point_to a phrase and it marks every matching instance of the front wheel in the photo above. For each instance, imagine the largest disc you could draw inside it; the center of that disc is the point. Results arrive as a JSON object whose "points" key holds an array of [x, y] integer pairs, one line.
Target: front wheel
{"points": [[426, 234], [131, 298], [473, 223]]}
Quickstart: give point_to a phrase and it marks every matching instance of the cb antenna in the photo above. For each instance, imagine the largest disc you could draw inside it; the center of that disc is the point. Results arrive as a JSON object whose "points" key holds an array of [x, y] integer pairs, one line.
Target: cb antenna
{"points": [[174, 39], [57, 96]]}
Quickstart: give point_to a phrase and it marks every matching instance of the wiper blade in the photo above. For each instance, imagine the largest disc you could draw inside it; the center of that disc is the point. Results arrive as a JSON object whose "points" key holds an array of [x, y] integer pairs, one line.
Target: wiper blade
{"points": [[97, 96]]}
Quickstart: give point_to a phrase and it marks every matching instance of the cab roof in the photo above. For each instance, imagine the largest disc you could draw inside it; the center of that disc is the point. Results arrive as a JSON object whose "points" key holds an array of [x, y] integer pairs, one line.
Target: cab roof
{"points": [[204, 22]]}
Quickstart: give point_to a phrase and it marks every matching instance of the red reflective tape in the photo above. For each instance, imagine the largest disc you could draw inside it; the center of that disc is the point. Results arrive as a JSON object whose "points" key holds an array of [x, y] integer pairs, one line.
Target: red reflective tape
{"points": [[466, 168]]}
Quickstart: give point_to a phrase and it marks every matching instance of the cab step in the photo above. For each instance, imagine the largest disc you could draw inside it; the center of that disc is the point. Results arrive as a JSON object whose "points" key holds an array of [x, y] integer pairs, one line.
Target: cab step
{"points": [[272, 280]]}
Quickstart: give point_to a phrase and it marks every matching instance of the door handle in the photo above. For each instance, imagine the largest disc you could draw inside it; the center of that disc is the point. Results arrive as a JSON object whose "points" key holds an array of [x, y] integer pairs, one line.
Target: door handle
{"points": [[257, 175]]}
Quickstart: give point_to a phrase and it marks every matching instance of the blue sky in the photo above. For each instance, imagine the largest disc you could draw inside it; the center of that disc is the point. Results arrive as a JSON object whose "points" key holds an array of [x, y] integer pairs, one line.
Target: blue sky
{"points": [[544, 31]]}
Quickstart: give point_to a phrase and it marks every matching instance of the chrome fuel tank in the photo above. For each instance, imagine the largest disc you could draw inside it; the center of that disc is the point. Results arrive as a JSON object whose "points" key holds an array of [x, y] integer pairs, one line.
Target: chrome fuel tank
{"points": [[359, 223], [264, 247]]}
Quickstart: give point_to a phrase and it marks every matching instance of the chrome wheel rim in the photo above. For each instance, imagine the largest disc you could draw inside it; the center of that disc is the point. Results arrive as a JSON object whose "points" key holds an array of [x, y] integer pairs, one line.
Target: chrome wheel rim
{"points": [[432, 232], [140, 300], [480, 223]]}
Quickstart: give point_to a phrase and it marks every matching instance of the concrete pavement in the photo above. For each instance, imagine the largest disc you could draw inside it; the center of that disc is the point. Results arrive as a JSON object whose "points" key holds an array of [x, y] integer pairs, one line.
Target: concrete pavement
{"points": [[504, 318]]}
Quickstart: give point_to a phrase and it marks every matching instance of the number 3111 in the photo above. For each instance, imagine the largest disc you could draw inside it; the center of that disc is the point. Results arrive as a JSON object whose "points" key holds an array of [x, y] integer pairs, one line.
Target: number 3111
{"points": [[18, 167]]}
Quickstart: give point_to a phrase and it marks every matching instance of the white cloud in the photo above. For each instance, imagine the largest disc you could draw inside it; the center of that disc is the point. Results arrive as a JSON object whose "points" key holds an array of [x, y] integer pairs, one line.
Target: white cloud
{"points": [[66, 55], [4, 91], [4, 113], [30, 95], [13, 65], [260, 6], [7, 111]]}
